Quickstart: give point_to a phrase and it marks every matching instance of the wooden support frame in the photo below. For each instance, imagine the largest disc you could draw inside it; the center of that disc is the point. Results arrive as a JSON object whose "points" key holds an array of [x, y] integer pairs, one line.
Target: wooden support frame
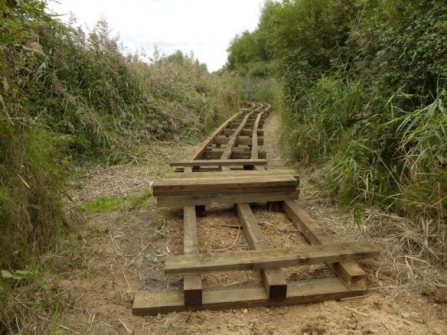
{"points": [[206, 179], [349, 272]]}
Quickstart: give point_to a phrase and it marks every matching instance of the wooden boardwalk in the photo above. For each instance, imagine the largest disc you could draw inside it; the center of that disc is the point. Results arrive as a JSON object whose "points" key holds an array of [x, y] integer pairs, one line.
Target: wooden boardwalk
{"points": [[229, 168]]}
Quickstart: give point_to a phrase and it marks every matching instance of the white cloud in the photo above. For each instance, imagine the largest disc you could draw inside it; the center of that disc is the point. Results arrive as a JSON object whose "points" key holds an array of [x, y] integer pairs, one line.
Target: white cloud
{"points": [[204, 27]]}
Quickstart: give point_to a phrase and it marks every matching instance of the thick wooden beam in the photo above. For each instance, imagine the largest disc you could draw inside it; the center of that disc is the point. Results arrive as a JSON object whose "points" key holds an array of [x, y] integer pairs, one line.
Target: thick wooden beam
{"points": [[268, 259], [192, 284], [349, 272], [232, 174], [229, 132], [211, 137], [274, 283], [216, 193], [218, 184], [223, 162], [232, 141], [254, 144], [241, 140], [237, 196], [216, 154], [302, 292]]}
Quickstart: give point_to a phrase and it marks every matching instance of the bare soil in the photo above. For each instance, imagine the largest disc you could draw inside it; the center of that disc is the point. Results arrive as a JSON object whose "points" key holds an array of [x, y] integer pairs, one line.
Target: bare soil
{"points": [[121, 252]]}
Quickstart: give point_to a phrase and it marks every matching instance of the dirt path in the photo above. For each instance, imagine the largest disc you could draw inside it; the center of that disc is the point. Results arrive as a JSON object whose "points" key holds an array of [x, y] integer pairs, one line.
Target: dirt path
{"points": [[121, 251]]}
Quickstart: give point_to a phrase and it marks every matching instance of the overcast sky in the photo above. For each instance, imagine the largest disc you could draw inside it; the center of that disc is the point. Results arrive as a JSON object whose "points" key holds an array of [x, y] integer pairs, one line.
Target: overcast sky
{"points": [[204, 27]]}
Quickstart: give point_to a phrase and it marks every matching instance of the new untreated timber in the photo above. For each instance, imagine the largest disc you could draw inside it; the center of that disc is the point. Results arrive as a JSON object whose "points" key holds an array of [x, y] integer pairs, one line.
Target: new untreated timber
{"points": [[268, 259]]}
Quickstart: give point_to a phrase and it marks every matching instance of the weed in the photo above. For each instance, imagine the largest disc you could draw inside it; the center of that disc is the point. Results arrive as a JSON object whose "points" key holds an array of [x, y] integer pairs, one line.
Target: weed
{"points": [[106, 204], [161, 228]]}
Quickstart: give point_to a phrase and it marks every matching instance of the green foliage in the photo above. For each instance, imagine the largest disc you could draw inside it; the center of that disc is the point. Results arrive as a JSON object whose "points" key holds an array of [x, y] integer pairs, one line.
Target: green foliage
{"points": [[364, 87], [67, 95], [248, 56], [259, 89], [106, 204], [321, 119]]}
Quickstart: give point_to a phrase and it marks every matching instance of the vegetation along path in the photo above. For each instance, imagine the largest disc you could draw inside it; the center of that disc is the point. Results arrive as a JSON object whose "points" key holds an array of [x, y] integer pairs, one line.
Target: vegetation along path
{"points": [[87, 128]]}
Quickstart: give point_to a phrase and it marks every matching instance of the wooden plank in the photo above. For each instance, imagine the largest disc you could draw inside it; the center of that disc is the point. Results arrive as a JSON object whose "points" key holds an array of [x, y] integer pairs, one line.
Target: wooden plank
{"points": [[232, 142], [215, 198], [229, 132], [255, 142], [241, 140], [218, 192], [192, 284], [250, 122], [216, 154], [302, 292], [223, 162], [274, 283], [202, 184], [349, 272], [211, 137], [232, 174], [268, 259]]}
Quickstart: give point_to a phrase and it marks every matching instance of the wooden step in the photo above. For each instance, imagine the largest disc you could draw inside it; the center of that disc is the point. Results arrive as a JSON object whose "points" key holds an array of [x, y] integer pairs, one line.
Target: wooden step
{"points": [[268, 259], [246, 296]]}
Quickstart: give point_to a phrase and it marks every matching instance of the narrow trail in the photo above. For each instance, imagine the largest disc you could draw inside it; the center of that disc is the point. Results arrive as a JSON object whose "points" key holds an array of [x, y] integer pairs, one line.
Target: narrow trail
{"points": [[120, 250]]}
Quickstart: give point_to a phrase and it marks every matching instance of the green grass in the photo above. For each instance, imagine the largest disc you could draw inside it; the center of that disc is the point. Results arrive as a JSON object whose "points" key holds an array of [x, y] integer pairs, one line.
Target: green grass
{"points": [[107, 204]]}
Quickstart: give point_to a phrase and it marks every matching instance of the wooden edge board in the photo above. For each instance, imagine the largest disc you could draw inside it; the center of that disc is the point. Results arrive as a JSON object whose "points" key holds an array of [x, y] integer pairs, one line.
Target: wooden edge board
{"points": [[232, 174], [216, 198], [351, 273], [268, 258], [197, 193], [301, 292], [232, 141], [241, 140], [273, 280], [226, 162], [211, 137], [255, 142], [217, 183], [216, 154]]}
